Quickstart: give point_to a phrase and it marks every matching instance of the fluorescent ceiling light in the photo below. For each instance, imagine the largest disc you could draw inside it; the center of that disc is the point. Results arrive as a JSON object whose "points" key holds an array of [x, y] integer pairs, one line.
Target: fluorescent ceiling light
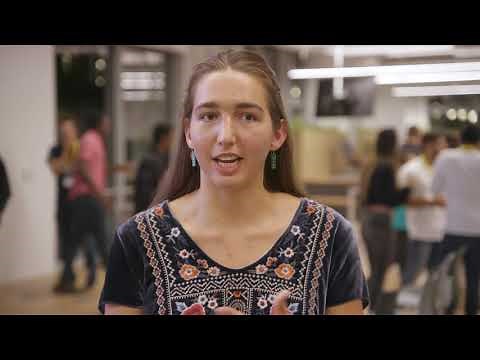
{"points": [[390, 79], [390, 51], [366, 71], [419, 51], [448, 90], [473, 52], [396, 51]]}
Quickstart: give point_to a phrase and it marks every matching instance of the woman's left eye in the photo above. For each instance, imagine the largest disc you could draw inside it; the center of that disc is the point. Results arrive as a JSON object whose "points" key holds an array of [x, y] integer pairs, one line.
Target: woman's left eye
{"points": [[248, 117]]}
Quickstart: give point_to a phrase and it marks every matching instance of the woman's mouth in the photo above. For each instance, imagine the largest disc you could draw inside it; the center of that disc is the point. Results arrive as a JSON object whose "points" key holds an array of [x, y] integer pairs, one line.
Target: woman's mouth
{"points": [[227, 165]]}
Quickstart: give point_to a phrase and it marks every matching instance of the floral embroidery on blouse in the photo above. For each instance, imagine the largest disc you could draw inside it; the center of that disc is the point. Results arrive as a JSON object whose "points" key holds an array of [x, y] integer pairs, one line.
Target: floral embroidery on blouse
{"points": [[158, 210], [202, 299], [261, 269], [202, 263], [212, 303], [188, 272], [271, 261], [193, 277], [262, 303], [285, 271], [213, 271]]}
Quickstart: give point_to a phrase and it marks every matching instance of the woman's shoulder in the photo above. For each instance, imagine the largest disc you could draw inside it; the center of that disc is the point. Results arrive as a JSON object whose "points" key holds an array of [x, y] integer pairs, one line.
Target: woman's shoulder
{"points": [[328, 217], [334, 234], [180, 204], [313, 203], [137, 225]]}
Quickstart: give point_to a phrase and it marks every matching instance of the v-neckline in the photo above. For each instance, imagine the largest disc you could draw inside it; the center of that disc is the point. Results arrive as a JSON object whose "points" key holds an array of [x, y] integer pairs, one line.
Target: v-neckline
{"points": [[248, 266]]}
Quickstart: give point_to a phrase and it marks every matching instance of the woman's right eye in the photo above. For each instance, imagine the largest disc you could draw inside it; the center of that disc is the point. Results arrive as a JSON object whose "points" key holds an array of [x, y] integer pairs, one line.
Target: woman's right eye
{"points": [[208, 116]]}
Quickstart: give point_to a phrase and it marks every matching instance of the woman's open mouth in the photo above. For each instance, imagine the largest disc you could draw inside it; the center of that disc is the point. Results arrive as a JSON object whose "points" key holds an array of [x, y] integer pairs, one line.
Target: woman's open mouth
{"points": [[227, 164]]}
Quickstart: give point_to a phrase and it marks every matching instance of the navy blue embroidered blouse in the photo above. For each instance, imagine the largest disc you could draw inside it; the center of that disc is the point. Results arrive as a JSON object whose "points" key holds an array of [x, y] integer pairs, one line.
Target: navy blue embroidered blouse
{"points": [[155, 265]]}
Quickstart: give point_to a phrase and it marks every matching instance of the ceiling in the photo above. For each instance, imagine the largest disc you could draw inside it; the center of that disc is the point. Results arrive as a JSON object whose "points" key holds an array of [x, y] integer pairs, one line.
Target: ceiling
{"points": [[388, 52]]}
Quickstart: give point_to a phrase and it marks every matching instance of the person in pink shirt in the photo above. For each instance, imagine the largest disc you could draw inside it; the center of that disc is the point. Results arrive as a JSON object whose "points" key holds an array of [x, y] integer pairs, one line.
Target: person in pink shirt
{"points": [[88, 200]]}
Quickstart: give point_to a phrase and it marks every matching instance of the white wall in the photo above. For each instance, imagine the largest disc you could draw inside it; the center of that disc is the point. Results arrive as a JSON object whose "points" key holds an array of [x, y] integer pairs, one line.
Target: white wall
{"points": [[27, 130]]}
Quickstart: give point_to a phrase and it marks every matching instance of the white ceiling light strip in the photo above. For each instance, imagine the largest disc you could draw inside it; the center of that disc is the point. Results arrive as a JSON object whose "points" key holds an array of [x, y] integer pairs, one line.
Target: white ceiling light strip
{"points": [[366, 71], [424, 91], [392, 79], [396, 51]]}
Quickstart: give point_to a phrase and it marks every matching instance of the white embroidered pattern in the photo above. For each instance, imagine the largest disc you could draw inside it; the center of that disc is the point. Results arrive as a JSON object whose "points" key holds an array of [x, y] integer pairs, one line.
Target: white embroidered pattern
{"points": [[313, 291], [305, 264], [141, 227], [240, 290]]}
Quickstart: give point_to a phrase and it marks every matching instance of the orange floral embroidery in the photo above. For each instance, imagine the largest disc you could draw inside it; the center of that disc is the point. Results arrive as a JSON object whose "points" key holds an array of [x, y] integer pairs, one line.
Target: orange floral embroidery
{"points": [[310, 209], [159, 211], [285, 271], [237, 293], [271, 261], [188, 272]]}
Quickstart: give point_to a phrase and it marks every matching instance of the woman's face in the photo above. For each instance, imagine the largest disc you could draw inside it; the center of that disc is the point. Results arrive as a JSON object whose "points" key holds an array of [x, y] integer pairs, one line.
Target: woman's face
{"points": [[231, 130]]}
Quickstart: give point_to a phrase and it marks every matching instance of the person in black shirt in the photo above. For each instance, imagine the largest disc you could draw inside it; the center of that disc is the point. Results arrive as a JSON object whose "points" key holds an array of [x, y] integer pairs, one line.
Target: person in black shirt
{"points": [[152, 168], [60, 159], [381, 196], [4, 189]]}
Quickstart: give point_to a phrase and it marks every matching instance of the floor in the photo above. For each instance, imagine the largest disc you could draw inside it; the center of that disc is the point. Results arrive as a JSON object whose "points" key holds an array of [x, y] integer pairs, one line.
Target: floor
{"points": [[36, 297]]}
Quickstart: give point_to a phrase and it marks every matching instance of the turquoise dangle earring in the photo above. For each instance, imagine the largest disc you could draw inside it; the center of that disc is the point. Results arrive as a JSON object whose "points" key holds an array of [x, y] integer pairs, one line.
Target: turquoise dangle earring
{"points": [[194, 159], [273, 159]]}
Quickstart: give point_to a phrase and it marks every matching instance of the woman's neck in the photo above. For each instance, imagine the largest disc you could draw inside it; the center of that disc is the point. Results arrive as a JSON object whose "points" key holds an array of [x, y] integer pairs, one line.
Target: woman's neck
{"points": [[232, 207]]}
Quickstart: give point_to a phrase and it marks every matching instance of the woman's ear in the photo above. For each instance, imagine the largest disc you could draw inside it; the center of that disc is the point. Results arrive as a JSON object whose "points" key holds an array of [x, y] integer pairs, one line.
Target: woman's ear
{"points": [[186, 129], [279, 135]]}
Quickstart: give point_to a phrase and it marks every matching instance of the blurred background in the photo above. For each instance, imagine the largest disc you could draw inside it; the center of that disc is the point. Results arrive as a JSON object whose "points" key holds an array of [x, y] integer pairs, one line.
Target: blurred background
{"points": [[338, 98]]}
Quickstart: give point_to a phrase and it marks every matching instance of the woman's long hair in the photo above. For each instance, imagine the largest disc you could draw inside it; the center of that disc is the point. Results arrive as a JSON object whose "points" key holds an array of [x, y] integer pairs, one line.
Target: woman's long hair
{"points": [[181, 178]]}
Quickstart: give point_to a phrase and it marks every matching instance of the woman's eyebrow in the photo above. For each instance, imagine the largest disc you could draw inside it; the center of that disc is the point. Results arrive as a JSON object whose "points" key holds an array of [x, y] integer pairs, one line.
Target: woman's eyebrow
{"points": [[245, 105], [242, 105], [208, 104]]}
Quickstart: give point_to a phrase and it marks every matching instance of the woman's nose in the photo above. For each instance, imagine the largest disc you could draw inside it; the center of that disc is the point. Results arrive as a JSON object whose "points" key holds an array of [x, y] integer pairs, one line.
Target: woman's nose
{"points": [[226, 133]]}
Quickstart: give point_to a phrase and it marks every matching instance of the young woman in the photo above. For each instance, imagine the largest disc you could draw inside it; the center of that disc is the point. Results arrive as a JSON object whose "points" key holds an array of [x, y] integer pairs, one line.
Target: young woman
{"points": [[229, 233]]}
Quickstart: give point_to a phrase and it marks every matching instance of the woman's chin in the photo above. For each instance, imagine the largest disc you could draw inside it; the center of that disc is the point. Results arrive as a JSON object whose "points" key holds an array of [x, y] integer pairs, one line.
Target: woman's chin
{"points": [[232, 182]]}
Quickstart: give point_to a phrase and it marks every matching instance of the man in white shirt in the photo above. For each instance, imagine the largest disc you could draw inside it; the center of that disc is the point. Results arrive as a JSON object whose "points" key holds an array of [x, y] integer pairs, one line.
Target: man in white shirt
{"points": [[457, 176], [425, 213]]}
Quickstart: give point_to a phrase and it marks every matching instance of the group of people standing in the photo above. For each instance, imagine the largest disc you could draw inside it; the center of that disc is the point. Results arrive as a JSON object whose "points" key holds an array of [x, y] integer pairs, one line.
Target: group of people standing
{"points": [[80, 163], [421, 204], [81, 166]]}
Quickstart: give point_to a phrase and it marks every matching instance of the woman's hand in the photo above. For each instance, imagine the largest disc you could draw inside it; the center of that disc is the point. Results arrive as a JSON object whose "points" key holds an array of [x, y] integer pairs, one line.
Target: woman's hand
{"points": [[279, 306], [195, 309]]}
